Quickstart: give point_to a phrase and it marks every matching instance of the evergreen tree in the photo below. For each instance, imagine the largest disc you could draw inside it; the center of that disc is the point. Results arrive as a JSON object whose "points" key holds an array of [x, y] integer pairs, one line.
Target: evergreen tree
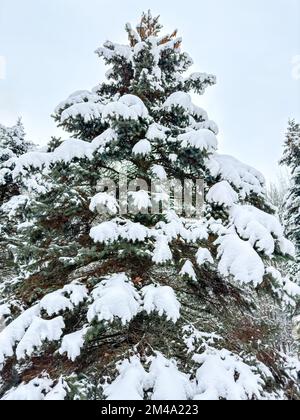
{"points": [[277, 192], [163, 304], [291, 158], [12, 145]]}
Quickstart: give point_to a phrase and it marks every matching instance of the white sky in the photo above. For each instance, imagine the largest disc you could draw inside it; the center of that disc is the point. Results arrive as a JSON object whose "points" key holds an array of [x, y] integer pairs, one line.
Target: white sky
{"points": [[48, 46]]}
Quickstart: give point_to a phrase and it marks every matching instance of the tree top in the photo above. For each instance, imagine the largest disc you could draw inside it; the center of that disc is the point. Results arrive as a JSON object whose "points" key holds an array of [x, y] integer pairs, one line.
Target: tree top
{"points": [[147, 27]]}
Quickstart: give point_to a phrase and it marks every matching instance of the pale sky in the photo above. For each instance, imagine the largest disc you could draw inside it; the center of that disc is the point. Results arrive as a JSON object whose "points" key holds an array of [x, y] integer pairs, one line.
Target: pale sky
{"points": [[47, 49]]}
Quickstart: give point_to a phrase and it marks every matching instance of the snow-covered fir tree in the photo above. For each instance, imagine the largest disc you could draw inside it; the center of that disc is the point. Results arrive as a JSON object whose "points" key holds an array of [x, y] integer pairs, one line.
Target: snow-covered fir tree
{"points": [[291, 158], [277, 191], [142, 304], [12, 145]]}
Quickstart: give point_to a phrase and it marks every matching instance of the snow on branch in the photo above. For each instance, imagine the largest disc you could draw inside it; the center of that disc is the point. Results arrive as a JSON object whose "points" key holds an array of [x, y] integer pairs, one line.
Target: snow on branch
{"points": [[113, 230], [69, 150], [87, 110], [114, 298], [104, 202], [162, 252], [73, 343], [202, 139], [63, 299], [29, 330], [223, 375], [38, 389], [222, 194], [161, 299], [167, 381], [129, 384], [39, 331], [239, 259], [263, 230], [183, 100], [15, 331], [128, 107], [242, 177], [188, 270]]}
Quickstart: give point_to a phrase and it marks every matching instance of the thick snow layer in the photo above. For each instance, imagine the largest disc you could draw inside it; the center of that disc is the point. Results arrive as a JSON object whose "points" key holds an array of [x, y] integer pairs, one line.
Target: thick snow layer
{"points": [[239, 259], [161, 299], [103, 203], [188, 270], [162, 252], [5, 154], [11, 207], [55, 302], [63, 299], [287, 247], [223, 375], [38, 389], [113, 298], [106, 232], [88, 111], [129, 384], [175, 226], [183, 100], [140, 200], [3, 175], [159, 172], [134, 232], [36, 160], [204, 256], [202, 139], [103, 140], [69, 150], [275, 274], [261, 229], [78, 97], [196, 231], [15, 331], [128, 107], [39, 331], [4, 310], [111, 231], [58, 392], [245, 179], [142, 148], [208, 125], [111, 50], [167, 381], [164, 380], [76, 292], [222, 194], [73, 343], [31, 331], [156, 132], [291, 288]]}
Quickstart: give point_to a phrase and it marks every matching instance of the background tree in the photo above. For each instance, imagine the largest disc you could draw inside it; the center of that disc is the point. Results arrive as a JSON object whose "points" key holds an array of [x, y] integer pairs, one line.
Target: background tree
{"points": [[278, 190], [291, 158], [12, 145]]}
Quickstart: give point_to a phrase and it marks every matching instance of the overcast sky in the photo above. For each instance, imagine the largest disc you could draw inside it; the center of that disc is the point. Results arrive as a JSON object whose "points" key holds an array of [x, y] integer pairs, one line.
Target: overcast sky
{"points": [[48, 47]]}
